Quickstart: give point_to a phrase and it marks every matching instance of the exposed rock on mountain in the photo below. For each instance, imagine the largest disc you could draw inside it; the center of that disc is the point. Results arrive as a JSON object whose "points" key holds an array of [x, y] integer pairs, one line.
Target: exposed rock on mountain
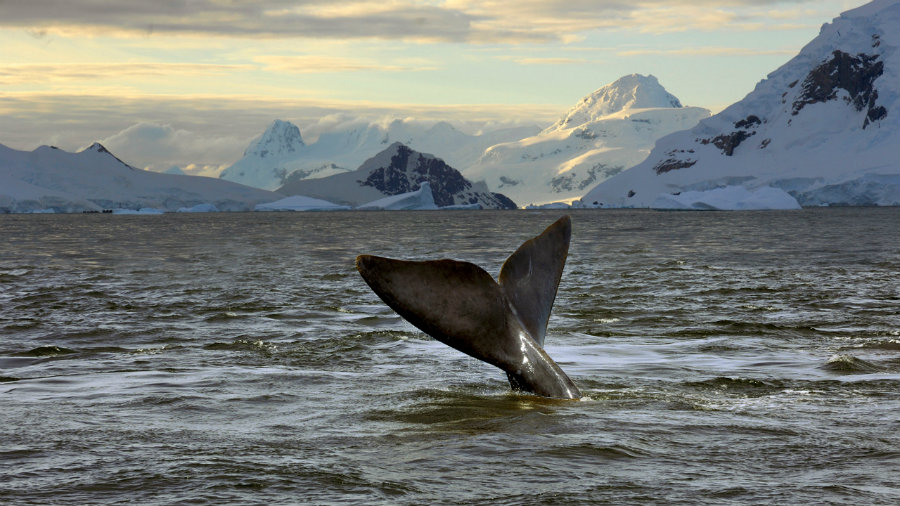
{"points": [[397, 170], [853, 74]]}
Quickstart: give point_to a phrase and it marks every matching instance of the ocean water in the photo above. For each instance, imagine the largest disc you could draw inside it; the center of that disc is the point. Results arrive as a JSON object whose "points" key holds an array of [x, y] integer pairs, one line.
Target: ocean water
{"points": [[726, 358]]}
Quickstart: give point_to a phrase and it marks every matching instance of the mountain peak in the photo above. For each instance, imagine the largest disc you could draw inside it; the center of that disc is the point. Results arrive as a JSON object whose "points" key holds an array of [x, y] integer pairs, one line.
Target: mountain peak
{"points": [[281, 139], [633, 91], [97, 148], [398, 169]]}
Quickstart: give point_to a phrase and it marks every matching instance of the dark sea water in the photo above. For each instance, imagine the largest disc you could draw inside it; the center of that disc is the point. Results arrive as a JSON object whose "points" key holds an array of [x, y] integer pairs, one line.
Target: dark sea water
{"points": [[726, 358]]}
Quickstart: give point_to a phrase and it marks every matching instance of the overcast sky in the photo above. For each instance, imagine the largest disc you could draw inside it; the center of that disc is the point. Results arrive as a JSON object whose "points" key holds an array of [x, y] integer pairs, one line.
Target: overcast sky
{"points": [[177, 82]]}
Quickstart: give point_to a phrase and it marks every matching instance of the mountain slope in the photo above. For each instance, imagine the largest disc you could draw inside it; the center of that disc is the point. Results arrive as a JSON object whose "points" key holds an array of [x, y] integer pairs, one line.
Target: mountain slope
{"points": [[94, 179], [607, 131], [824, 127], [396, 170]]}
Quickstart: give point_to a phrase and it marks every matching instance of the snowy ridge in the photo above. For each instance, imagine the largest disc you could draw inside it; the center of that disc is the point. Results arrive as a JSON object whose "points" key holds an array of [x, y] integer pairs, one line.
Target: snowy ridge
{"points": [[50, 179], [606, 132], [824, 127]]}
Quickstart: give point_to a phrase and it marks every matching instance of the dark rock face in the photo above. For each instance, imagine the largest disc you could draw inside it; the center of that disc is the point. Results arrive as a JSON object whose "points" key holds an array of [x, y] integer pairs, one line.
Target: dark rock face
{"points": [[748, 122], [672, 164], [409, 169], [677, 159], [504, 201], [727, 142], [855, 74], [100, 148]]}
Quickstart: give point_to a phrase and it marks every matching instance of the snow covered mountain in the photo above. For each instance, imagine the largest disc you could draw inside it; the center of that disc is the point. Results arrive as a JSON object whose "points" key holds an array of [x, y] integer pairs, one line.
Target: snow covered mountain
{"points": [[281, 153], [608, 131], [824, 127], [394, 171], [94, 179], [271, 157]]}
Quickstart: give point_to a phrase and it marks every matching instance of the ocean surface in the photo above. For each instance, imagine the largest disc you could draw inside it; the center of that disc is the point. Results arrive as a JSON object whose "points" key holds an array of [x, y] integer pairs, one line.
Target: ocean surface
{"points": [[726, 358]]}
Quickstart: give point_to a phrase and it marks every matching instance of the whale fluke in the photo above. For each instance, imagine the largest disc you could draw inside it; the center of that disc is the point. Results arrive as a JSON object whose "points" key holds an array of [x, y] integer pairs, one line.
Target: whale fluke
{"points": [[461, 305], [531, 275]]}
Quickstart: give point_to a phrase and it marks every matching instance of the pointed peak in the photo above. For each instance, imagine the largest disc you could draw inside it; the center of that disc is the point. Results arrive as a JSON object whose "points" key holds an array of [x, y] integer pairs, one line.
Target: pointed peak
{"points": [[396, 153], [395, 148], [279, 124], [101, 149], [403, 149], [281, 138], [97, 148], [634, 91]]}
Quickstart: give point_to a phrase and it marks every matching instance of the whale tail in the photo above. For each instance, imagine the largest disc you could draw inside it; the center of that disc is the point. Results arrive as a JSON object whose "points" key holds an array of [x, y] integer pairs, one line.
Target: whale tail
{"points": [[461, 305]]}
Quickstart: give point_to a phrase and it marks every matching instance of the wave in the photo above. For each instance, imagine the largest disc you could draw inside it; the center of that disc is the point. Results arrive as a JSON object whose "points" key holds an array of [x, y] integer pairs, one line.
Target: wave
{"points": [[737, 384], [879, 344], [46, 351], [848, 364]]}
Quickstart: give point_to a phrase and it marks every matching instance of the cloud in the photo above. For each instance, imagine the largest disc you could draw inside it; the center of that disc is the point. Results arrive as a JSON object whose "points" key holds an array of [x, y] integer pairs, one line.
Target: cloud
{"points": [[564, 20], [479, 21], [160, 146], [549, 61], [66, 72], [261, 18], [707, 51], [211, 132], [309, 64]]}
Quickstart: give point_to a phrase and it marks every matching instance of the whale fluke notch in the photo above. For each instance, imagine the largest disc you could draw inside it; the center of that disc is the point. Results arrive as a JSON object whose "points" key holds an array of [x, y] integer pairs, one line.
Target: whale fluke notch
{"points": [[503, 324]]}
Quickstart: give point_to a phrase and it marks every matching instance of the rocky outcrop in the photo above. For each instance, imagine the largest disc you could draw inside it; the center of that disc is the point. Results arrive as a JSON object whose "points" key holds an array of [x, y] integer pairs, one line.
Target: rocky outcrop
{"points": [[395, 171], [746, 128], [853, 74], [670, 164], [408, 169]]}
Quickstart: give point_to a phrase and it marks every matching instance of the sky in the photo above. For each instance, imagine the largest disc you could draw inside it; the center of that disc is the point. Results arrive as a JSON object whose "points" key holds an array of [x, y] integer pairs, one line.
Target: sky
{"points": [[190, 83]]}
